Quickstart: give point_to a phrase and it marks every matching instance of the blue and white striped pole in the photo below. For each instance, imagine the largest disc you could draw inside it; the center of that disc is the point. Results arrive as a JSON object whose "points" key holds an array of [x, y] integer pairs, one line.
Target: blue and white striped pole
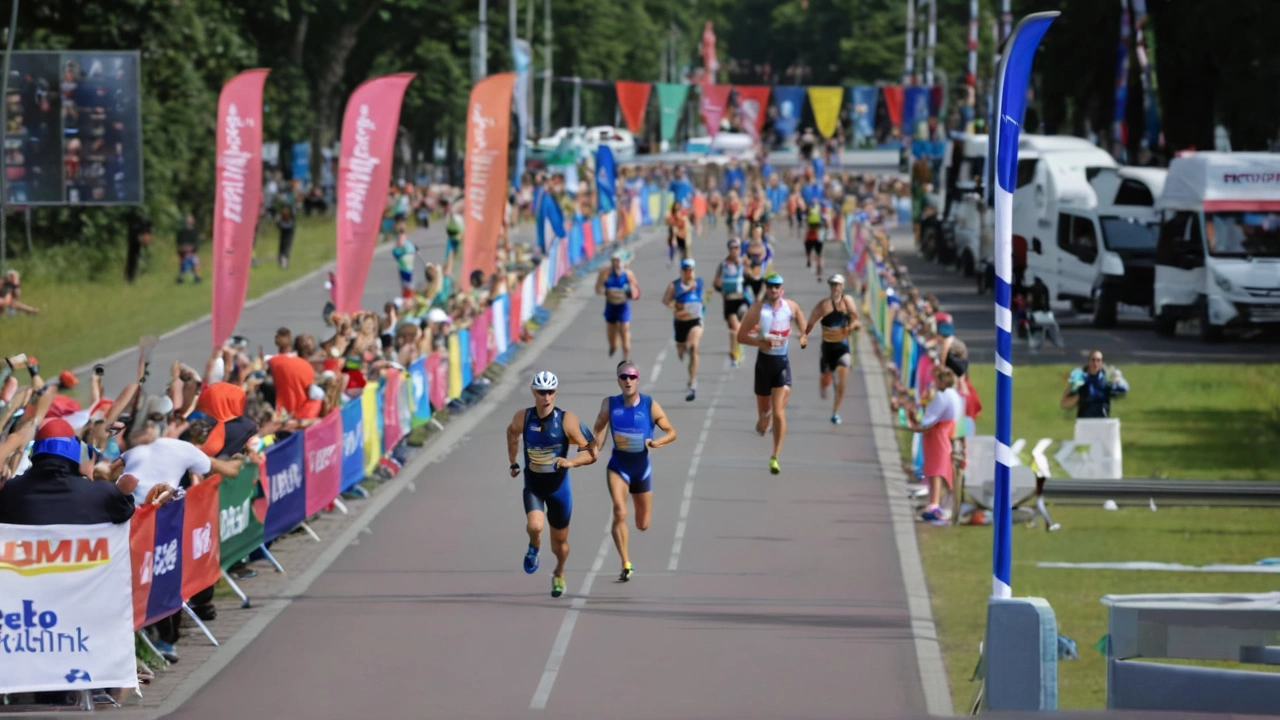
{"points": [[1011, 103]]}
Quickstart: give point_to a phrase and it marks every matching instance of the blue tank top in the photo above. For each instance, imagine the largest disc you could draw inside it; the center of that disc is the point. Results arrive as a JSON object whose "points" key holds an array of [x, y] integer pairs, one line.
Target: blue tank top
{"points": [[691, 298], [544, 441], [631, 426], [731, 280], [617, 288]]}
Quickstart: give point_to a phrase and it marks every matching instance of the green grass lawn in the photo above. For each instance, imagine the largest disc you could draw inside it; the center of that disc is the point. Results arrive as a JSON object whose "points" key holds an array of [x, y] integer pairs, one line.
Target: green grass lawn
{"points": [[81, 321], [1204, 422], [957, 562]]}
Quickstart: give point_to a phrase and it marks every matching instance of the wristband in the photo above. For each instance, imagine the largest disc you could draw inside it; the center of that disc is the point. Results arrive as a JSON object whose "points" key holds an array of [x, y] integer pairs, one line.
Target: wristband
{"points": [[515, 466]]}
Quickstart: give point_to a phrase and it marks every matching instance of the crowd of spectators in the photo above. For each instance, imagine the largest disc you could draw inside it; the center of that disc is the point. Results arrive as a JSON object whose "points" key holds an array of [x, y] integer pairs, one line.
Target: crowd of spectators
{"points": [[65, 458], [68, 459]]}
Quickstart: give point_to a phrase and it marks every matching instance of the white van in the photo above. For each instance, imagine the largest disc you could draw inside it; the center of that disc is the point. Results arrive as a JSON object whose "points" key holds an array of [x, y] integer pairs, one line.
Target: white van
{"points": [[1218, 255], [1088, 225], [1096, 247], [955, 235]]}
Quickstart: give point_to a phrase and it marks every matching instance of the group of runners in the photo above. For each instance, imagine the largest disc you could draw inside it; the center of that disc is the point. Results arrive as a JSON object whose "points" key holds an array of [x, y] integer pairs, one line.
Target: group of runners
{"points": [[756, 314]]}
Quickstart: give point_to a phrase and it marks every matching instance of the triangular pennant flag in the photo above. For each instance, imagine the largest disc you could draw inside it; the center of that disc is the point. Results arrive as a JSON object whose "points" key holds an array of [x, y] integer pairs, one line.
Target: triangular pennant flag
{"points": [[714, 100], [826, 102], [753, 103], [633, 98]]}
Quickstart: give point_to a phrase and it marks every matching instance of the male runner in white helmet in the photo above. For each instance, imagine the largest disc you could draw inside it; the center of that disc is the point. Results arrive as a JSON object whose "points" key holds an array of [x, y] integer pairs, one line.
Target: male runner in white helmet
{"points": [[548, 432]]}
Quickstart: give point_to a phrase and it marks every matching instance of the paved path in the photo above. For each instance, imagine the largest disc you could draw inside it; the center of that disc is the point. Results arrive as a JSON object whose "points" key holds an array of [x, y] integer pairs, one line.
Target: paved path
{"points": [[1133, 339], [755, 596]]}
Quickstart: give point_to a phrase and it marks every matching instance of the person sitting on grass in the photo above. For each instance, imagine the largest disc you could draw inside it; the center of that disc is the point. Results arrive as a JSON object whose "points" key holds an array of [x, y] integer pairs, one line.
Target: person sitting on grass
{"points": [[10, 291]]}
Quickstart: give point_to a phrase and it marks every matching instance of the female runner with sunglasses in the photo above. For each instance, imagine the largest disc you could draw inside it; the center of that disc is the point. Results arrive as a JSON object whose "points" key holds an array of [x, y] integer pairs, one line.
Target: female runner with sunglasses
{"points": [[631, 417]]}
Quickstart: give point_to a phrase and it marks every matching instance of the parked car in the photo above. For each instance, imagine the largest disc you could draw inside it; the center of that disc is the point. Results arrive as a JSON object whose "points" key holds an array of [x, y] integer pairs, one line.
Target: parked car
{"points": [[620, 141]]}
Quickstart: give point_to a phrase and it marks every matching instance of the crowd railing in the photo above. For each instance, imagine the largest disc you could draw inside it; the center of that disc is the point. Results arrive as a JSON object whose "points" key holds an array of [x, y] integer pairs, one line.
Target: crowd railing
{"points": [[65, 599]]}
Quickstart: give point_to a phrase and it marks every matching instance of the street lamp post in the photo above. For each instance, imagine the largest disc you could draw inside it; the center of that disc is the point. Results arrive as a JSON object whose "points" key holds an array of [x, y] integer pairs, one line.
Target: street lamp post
{"points": [[4, 126], [547, 74]]}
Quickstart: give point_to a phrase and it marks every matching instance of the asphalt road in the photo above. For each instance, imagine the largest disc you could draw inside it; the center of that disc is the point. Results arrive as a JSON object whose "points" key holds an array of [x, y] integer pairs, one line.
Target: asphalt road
{"points": [[755, 596], [1133, 339]]}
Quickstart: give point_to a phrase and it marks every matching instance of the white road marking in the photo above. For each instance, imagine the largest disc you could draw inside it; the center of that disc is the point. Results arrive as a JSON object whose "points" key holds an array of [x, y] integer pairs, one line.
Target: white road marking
{"points": [[657, 369], [683, 523], [453, 434], [561, 646], [933, 673]]}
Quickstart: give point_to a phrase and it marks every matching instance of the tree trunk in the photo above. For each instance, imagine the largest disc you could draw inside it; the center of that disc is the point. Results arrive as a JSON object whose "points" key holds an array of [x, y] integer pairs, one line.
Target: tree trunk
{"points": [[328, 83]]}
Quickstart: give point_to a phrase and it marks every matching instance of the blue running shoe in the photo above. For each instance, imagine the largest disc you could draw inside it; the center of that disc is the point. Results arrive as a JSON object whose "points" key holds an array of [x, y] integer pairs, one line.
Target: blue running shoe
{"points": [[531, 560]]}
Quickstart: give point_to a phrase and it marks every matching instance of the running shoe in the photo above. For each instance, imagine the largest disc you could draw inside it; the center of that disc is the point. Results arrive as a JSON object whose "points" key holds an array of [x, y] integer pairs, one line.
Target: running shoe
{"points": [[835, 418], [693, 393], [773, 466], [531, 560], [557, 586], [627, 572]]}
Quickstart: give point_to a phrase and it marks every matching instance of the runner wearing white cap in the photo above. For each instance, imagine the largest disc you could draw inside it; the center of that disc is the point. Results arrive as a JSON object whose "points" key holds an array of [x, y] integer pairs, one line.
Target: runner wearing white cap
{"points": [[619, 286], [685, 296], [730, 281], [839, 317], [774, 316]]}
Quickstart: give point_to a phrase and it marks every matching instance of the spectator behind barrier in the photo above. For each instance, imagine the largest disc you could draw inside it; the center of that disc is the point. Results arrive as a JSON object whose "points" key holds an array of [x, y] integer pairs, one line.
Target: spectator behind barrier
{"points": [[146, 448], [56, 489]]}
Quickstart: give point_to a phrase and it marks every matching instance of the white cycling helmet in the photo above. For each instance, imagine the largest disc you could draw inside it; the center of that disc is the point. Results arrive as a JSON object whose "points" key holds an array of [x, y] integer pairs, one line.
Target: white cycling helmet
{"points": [[545, 381]]}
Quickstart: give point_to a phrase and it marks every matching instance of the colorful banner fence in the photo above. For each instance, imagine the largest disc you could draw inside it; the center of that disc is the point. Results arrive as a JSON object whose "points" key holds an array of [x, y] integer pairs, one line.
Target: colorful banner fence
{"points": [[74, 579]]}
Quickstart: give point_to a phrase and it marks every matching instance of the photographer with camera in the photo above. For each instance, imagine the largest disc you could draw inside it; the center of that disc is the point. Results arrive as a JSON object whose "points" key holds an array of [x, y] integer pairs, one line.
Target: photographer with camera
{"points": [[1091, 388]]}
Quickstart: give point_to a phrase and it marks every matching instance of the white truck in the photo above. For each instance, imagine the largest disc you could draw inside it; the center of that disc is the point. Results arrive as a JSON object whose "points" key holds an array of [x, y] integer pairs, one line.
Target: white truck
{"points": [[1088, 225], [961, 232], [1218, 253], [1096, 248]]}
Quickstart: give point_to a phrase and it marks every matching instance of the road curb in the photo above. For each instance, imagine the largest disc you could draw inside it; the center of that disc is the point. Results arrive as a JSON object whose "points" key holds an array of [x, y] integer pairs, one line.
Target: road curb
{"points": [[933, 671]]}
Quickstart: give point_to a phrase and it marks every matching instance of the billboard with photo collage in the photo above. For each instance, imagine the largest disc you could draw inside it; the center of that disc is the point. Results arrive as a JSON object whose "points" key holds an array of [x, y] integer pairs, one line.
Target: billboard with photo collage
{"points": [[73, 132]]}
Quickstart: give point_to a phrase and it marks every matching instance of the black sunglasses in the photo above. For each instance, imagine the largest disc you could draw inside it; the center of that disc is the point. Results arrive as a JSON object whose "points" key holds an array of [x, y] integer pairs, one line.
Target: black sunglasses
{"points": [[545, 393], [628, 377]]}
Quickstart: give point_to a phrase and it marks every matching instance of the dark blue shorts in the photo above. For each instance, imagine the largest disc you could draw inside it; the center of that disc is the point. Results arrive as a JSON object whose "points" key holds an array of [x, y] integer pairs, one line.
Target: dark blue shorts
{"points": [[617, 313], [635, 469], [552, 496], [406, 277]]}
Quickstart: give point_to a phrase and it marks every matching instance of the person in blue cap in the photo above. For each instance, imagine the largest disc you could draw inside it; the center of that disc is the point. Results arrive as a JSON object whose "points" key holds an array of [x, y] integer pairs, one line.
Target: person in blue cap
{"points": [[619, 286], [685, 295], [768, 326]]}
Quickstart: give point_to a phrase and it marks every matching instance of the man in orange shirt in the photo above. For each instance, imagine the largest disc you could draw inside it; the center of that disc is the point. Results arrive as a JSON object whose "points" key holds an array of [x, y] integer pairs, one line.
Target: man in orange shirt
{"points": [[291, 375]]}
